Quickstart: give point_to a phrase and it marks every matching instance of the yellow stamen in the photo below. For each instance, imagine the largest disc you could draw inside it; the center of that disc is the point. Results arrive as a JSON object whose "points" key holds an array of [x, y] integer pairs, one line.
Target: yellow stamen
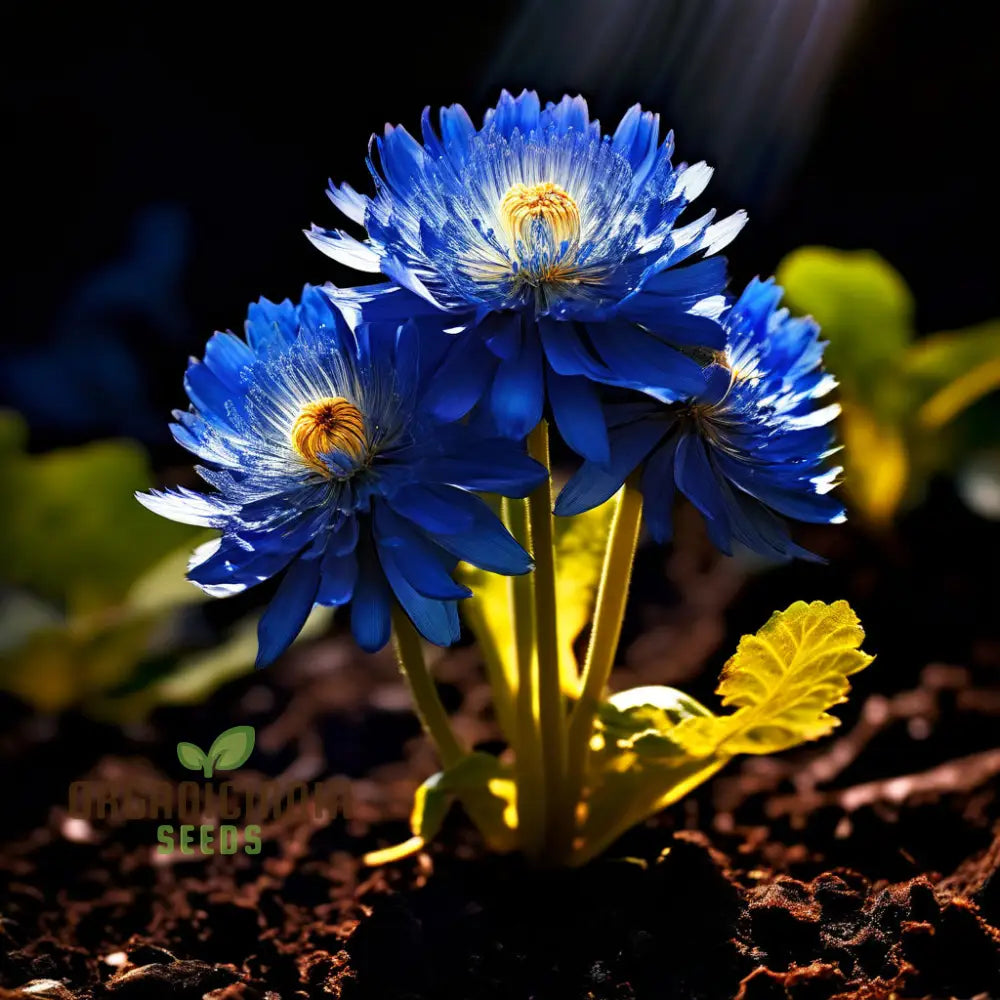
{"points": [[522, 205], [331, 424]]}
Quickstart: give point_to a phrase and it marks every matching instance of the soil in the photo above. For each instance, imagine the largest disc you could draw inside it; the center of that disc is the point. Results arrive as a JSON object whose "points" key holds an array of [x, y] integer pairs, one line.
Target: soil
{"points": [[864, 866]]}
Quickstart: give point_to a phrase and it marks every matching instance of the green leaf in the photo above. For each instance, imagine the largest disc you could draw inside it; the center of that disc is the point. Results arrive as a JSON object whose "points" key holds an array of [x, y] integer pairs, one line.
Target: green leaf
{"points": [[165, 585], [865, 310], [782, 681], [70, 662], [191, 756], [952, 370], [430, 806], [486, 790], [488, 614], [641, 719], [13, 435], [70, 527], [190, 679], [232, 748], [474, 771], [940, 358]]}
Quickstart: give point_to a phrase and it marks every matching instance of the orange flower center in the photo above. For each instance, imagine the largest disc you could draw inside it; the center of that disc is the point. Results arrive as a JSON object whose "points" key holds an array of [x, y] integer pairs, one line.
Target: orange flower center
{"points": [[523, 207], [329, 425]]}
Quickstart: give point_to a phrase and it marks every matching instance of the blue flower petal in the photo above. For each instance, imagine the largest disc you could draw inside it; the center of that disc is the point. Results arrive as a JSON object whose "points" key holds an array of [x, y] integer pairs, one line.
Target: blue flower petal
{"points": [[461, 380], [641, 360], [288, 610], [371, 607], [576, 406], [498, 466], [271, 325], [636, 138], [420, 561], [435, 620], [207, 392], [518, 391], [489, 546], [339, 575], [594, 483], [658, 491], [437, 509], [227, 356], [566, 352], [756, 527], [457, 131], [803, 505], [502, 334], [696, 478]]}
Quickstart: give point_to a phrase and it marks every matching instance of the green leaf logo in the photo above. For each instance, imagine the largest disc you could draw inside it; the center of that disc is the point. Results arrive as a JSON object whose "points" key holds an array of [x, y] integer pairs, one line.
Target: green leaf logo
{"points": [[229, 751]]}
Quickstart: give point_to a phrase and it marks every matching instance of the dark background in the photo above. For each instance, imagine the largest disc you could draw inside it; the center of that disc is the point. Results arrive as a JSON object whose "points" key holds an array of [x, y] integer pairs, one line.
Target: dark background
{"points": [[164, 160]]}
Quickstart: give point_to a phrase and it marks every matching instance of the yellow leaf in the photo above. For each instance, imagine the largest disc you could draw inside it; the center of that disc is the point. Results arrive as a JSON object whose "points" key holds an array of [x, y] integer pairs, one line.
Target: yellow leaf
{"points": [[488, 614], [782, 681], [580, 544], [877, 463]]}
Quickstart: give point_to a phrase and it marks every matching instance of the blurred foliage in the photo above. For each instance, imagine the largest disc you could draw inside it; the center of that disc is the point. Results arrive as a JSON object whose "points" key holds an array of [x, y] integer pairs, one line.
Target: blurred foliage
{"points": [[70, 528], [92, 587], [911, 407]]}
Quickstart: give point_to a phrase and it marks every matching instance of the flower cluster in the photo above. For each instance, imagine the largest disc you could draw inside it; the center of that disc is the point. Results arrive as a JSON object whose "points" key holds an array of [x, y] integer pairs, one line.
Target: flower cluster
{"points": [[537, 268]]}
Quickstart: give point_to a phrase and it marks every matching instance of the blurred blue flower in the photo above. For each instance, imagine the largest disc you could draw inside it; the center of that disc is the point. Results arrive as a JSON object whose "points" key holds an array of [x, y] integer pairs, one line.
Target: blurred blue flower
{"points": [[88, 376], [550, 249], [753, 441], [327, 466]]}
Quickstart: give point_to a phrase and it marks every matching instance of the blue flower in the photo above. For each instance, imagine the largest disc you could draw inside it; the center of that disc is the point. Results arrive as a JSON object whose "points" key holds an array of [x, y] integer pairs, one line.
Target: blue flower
{"points": [[328, 468], [551, 249], [753, 441]]}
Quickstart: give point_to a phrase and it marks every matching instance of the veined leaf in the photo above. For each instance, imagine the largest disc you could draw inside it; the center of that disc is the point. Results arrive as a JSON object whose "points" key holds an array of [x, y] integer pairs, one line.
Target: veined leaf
{"points": [[782, 682]]}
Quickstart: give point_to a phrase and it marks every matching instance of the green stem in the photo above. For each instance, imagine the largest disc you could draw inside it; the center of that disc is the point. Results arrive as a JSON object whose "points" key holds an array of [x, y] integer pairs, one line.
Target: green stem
{"points": [[410, 655], [527, 744], [551, 714], [608, 617]]}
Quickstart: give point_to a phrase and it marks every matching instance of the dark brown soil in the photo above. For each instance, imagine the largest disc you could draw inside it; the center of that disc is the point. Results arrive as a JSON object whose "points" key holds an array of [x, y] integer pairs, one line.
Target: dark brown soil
{"points": [[863, 867]]}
